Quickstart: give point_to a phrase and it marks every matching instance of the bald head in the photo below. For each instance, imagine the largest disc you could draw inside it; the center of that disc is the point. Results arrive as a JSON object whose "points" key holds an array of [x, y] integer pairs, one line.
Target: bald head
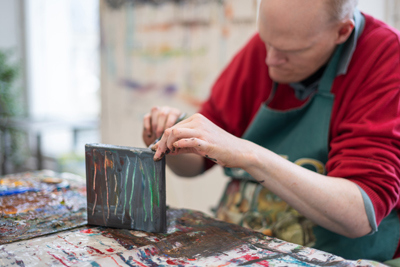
{"points": [[333, 10], [301, 35], [294, 20]]}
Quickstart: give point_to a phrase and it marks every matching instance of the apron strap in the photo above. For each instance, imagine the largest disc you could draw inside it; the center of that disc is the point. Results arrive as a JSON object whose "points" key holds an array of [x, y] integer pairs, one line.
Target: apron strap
{"points": [[326, 82], [272, 94]]}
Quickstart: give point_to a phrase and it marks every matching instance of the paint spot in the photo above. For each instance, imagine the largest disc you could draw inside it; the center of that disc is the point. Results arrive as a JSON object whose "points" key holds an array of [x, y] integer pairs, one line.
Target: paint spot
{"points": [[176, 262], [19, 262], [250, 258], [95, 249], [170, 89], [207, 157], [87, 231], [57, 258], [110, 250]]}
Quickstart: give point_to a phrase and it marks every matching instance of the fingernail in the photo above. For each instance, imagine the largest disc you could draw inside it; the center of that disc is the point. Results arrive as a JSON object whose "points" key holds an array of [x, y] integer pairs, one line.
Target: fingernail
{"points": [[160, 158]]}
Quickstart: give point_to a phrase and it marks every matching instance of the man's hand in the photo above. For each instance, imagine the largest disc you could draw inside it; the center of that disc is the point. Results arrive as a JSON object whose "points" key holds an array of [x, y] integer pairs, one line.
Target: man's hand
{"points": [[156, 121], [200, 136]]}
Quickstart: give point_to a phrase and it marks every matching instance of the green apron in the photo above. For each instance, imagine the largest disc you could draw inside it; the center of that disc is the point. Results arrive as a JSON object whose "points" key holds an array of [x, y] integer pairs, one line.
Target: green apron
{"points": [[301, 136]]}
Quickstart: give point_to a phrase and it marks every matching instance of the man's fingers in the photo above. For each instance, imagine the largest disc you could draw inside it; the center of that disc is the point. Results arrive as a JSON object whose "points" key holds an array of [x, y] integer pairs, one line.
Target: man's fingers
{"points": [[154, 147], [170, 136], [172, 118], [154, 119], [166, 118], [147, 125], [195, 143], [177, 133]]}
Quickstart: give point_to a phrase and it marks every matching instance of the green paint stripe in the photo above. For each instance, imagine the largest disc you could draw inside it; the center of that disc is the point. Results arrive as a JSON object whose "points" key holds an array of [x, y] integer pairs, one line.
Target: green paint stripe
{"points": [[144, 190], [133, 184], [126, 181]]}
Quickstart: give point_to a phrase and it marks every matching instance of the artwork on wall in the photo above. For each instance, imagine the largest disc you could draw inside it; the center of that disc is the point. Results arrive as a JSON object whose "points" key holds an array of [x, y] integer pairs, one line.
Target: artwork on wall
{"points": [[164, 53], [125, 188]]}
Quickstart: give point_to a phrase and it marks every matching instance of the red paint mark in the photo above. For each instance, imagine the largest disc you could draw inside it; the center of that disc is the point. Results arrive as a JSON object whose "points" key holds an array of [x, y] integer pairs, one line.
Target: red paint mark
{"points": [[116, 261], [191, 259], [87, 231], [140, 264], [95, 249], [250, 258], [57, 258], [67, 241], [150, 251], [176, 262], [110, 250], [154, 250]]}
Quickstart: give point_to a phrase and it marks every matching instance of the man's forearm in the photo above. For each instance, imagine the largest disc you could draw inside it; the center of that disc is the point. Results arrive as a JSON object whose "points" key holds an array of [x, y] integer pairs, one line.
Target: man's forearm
{"points": [[333, 203], [186, 165]]}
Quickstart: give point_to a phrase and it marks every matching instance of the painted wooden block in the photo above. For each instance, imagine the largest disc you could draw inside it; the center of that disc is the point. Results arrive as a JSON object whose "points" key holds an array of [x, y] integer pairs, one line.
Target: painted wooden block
{"points": [[125, 188]]}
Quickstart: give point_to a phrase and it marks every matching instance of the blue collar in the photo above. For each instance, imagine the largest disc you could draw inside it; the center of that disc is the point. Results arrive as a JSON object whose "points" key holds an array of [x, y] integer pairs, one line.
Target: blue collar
{"points": [[351, 43]]}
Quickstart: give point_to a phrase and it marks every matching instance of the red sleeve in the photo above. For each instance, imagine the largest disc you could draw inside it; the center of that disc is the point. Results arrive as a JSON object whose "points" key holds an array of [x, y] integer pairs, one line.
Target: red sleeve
{"points": [[365, 135], [231, 103]]}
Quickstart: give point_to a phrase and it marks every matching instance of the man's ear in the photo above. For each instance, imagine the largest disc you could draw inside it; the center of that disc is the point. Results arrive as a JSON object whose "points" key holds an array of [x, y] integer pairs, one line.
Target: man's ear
{"points": [[344, 30]]}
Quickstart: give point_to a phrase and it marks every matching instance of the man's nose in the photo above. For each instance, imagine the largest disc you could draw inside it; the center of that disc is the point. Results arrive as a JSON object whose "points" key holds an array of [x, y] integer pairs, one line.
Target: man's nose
{"points": [[274, 57]]}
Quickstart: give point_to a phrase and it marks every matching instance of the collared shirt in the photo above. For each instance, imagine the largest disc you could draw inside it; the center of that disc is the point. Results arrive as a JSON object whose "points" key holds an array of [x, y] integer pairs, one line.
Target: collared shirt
{"points": [[302, 91]]}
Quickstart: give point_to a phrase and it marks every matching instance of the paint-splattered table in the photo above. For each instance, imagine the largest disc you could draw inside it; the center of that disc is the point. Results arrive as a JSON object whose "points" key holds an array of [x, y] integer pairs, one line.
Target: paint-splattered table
{"points": [[193, 239]]}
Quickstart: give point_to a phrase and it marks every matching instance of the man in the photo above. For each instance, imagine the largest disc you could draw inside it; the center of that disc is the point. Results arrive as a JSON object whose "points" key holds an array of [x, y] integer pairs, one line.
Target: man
{"points": [[306, 120]]}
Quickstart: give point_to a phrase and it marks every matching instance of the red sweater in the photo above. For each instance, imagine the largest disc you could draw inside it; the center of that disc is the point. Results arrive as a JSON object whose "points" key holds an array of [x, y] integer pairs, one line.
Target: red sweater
{"points": [[365, 124]]}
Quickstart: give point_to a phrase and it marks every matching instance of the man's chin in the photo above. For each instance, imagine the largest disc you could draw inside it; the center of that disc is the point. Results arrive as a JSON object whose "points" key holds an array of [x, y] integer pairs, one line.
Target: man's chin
{"points": [[283, 78]]}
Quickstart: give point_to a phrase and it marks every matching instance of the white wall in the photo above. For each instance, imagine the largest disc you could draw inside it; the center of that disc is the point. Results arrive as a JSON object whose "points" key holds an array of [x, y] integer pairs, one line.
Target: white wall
{"points": [[375, 8], [11, 24]]}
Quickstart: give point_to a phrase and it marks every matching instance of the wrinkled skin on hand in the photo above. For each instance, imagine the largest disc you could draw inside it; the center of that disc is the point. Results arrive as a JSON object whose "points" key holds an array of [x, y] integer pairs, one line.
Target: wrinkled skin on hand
{"points": [[199, 135]]}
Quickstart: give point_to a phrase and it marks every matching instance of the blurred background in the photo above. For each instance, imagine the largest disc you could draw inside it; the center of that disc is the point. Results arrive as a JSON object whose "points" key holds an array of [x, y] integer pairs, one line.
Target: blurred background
{"points": [[74, 72]]}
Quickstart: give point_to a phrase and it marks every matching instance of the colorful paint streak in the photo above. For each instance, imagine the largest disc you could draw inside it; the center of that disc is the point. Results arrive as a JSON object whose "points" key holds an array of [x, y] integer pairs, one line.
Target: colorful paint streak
{"points": [[214, 243], [47, 209], [128, 184]]}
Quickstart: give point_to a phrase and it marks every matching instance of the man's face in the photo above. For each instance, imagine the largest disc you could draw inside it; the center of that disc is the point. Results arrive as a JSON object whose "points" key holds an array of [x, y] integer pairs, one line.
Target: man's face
{"points": [[298, 37]]}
